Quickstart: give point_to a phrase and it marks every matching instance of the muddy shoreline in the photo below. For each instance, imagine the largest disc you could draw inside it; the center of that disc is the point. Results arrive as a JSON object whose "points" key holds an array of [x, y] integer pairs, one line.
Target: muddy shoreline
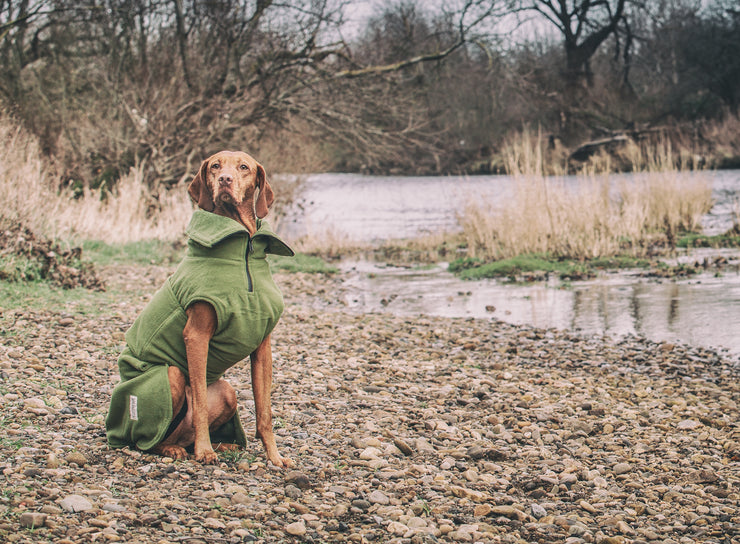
{"points": [[403, 429]]}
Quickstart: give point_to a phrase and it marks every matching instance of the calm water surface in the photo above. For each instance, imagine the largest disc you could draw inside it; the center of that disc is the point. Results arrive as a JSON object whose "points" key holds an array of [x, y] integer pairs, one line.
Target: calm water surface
{"points": [[703, 310], [377, 208]]}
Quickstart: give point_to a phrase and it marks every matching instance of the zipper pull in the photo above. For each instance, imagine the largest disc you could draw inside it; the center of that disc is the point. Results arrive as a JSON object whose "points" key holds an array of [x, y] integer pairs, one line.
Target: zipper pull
{"points": [[250, 287]]}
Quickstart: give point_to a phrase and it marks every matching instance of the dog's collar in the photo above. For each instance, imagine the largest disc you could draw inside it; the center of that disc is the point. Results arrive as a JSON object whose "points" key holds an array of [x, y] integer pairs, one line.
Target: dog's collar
{"points": [[208, 229]]}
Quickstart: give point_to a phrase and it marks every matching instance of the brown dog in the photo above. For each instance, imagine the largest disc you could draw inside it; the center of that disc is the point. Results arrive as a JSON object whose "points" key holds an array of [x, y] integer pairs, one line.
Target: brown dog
{"points": [[228, 184]]}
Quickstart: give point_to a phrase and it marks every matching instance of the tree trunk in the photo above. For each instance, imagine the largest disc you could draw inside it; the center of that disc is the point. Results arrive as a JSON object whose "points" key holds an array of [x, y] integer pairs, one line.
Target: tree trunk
{"points": [[182, 42]]}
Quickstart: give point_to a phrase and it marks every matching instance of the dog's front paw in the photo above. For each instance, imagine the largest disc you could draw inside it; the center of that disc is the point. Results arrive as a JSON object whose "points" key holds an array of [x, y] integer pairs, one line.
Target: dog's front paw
{"points": [[176, 452], [206, 456], [280, 461]]}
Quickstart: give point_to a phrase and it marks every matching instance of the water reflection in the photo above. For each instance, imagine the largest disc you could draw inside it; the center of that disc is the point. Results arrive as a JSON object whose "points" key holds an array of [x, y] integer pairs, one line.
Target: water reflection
{"points": [[704, 310]]}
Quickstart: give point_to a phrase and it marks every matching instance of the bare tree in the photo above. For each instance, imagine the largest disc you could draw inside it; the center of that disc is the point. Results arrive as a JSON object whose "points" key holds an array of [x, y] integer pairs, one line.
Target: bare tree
{"points": [[396, 91], [17, 19], [108, 84], [584, 26]]}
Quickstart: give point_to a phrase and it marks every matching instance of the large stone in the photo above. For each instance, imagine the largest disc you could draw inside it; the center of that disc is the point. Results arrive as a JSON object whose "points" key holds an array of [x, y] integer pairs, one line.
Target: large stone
{"points": [[370, 453], [622, 468], [298, 479], [32, 520], [75, 503], [509, 512], [397, 528], [378, 497], [538, 511], [471, 494], [296, 529], [77, 458]]}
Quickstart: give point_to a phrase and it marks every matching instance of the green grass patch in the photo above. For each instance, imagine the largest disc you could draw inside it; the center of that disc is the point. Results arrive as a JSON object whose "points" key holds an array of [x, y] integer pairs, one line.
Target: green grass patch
{"points": [[141, 252], [729, 239], [523, 264], [619, 261], [236, 456], [44, 296], [39, 295], [16, 268], [23, 284], [301, 263], [475, 269]]}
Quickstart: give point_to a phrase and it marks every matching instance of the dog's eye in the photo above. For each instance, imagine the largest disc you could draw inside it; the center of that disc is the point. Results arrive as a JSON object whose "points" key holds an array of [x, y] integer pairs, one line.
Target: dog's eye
{"points": [[244, 167], [215, 166]]}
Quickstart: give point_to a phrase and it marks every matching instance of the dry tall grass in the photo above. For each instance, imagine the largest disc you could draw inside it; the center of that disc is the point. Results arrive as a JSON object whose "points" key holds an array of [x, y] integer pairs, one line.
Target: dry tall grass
{"points": [[328, 243], [592, 218], [722, 140], [23, 191], [129, 213]]}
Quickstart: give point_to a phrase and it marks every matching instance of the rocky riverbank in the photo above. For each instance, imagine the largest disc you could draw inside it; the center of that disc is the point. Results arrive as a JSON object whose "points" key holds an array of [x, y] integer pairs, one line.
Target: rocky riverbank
{"points": [[402, 430]]}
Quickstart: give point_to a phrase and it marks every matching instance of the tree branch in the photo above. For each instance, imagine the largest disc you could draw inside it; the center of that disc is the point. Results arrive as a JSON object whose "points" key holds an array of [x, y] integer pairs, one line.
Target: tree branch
{"points": [[396, 66]]}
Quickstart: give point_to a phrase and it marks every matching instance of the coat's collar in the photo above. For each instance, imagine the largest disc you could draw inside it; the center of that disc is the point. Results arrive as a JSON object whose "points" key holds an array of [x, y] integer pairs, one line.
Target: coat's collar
{"points": [[208, 229]]}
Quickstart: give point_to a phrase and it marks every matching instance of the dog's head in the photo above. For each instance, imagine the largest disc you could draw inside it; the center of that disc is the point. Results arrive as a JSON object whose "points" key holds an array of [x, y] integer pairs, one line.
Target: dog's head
{"points": [[228, 181]]}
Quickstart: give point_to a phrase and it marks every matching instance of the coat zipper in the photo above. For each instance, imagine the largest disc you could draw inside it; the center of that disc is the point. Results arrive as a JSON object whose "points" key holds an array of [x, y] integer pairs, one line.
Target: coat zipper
{"points": [[250, 287]]}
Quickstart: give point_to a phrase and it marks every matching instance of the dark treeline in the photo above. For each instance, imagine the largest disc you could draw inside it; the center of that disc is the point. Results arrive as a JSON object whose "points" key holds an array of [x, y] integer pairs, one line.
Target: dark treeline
{"points": [[110, 84]]}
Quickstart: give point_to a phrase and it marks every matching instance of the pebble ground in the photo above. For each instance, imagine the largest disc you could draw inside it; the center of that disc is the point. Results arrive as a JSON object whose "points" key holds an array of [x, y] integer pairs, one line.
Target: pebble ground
{"points": [[402, 430]]}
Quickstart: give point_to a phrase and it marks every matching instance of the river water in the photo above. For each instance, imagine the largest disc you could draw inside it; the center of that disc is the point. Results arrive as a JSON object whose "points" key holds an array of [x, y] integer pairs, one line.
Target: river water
{"points": [[702, 310]]}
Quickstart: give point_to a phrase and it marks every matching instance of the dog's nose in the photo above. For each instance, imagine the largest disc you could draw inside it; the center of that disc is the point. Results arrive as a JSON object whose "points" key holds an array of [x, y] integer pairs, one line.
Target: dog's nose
{"points": [[225, 180]]}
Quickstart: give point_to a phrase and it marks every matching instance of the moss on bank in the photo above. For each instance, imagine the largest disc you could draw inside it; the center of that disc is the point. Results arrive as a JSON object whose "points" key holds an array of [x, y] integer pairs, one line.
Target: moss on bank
{"points": [[301, 263], [531, 268], [539, 266], [728, 239]]}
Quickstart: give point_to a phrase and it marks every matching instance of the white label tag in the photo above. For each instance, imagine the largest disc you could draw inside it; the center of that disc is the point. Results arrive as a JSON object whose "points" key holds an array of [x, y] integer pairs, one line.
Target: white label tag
{"points": [[133, 409]]}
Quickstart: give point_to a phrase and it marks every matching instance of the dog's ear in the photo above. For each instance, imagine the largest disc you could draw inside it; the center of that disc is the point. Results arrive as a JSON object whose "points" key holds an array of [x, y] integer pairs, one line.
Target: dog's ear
{"points": [[266, 196], [199, 190]]}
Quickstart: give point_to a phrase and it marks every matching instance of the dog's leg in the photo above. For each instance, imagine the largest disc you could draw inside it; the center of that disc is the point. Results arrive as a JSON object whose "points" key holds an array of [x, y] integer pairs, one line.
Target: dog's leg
{"points": [[261, 387], [178, 386], [221, 408], [197, 334]]}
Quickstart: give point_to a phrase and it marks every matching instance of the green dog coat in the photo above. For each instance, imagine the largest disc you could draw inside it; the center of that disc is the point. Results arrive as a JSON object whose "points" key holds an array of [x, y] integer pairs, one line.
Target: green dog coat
{"points": [[225, 267]]}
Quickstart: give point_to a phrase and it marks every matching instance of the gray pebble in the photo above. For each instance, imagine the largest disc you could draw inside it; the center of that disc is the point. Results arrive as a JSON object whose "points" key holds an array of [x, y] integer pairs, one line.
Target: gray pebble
{"points": [[538, 511]]}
